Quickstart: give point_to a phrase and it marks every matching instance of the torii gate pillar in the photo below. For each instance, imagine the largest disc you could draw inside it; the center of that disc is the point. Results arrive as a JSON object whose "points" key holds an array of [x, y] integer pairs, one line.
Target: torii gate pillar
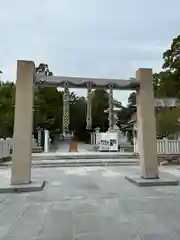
{"points": [[146, 122], [147, 125], [23, 122], [22, 136]]}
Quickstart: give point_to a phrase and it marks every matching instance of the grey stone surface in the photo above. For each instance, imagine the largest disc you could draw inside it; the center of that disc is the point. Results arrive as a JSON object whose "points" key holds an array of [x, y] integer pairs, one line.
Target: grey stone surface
{"points": [[161, 236], [6, 187], [79, 162], [165, 179], [91, 203]]}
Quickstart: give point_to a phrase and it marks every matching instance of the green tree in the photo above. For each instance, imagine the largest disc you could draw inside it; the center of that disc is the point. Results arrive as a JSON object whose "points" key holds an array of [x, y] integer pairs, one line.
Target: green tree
{"points": [[47, 103], [165, 85], [125, 115], [49, 107], [78, 117], [132, 99], [157, 79], [169, 79], [167, 121], [7, 94], [99, 105], [172, 56], [43, 69]]}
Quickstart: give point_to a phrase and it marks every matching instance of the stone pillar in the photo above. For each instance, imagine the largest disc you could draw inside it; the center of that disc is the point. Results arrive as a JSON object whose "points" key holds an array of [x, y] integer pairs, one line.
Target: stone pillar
{"points": [[23, 121], [146, 125], [66, 120], [89, 98], [110, 108], [46, 140]]}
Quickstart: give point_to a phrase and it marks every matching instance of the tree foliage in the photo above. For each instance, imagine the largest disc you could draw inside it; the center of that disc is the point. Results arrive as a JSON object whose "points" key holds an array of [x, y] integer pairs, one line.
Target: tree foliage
{"points": [[166, 84], [172, 56], [43, 69], [169, 78], [7, 95], [132, 99], [167, 122], [99, 105], [48, 108]]}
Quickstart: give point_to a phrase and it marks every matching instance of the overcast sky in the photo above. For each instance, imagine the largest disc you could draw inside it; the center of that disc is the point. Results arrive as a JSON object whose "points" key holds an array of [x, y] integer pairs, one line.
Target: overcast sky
{"points": [[94, 38]]}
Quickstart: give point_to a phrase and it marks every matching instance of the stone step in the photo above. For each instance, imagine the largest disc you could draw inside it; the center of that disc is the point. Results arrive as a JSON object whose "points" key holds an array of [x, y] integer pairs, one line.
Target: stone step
{"points": [[37, 150], [78, 163], [53, 156]]}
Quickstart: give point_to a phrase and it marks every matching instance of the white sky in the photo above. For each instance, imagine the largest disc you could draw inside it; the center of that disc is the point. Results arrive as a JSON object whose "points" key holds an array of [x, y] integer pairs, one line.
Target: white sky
{"points": [[94, 38]]}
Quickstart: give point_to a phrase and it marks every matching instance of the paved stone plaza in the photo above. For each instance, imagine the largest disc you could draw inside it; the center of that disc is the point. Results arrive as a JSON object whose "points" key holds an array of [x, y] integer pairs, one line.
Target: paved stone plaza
{"points": [[91, 203]]}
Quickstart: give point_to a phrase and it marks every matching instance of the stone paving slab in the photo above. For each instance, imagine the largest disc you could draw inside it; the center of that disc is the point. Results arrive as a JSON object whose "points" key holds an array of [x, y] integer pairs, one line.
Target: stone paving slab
{"points": [[91, 203]]}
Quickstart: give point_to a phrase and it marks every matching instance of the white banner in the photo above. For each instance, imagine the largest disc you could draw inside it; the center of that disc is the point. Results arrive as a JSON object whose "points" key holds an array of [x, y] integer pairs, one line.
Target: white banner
{"points": [[104, 142]]}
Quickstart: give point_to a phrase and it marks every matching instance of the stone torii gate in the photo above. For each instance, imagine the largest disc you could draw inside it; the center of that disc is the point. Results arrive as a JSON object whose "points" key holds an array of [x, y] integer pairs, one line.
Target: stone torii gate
{"points": [[23, 119]]}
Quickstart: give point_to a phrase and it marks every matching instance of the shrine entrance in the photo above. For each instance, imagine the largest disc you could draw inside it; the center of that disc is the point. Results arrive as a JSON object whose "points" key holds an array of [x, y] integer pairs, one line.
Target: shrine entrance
{"points": [[27, 79]]}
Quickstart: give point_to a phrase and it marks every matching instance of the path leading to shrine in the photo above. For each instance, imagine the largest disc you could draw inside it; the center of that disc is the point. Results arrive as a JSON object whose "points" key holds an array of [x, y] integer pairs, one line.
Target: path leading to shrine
{"points": [[82, 147], [91, 203]]}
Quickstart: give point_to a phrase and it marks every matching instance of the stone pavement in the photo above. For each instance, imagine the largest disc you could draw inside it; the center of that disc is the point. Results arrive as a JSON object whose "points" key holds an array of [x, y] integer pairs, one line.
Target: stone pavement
{"points": [[91, 203]]}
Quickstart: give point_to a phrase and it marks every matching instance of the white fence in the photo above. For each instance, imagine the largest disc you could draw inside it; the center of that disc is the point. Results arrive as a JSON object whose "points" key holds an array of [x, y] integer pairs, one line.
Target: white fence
{"points": [[95, 138], [5, 147], [164, 146]]}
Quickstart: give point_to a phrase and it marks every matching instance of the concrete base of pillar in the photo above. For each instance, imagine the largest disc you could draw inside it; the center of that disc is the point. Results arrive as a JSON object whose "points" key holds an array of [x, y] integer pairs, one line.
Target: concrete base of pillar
{"points": [[165, 179], [6, 187]]}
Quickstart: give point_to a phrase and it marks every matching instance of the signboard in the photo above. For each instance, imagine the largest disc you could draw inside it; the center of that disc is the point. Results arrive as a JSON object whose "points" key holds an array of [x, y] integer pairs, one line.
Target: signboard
{"points": [[113, 145], [104, 142], [104, 145], [113, 141], [109, 142]]}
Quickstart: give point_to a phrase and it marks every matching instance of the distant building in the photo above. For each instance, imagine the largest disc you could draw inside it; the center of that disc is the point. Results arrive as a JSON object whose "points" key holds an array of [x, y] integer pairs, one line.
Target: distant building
{"points": [[131, 125]]}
